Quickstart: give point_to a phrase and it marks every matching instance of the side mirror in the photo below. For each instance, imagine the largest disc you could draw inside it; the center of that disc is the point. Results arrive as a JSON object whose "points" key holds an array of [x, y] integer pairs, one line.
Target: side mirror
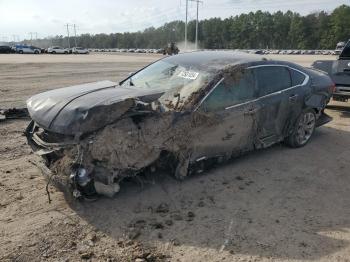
{"points": [[131, 73]]}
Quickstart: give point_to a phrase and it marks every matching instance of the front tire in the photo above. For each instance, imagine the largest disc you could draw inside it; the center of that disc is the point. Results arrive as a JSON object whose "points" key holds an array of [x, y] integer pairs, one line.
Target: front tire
{"points": [[303, 129]]}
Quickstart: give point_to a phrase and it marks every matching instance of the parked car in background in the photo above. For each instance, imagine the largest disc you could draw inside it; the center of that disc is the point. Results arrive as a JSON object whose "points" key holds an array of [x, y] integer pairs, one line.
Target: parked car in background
{"points": [[27, 49], [339, 71], [57, 50], [339, 48], [80, 50], [5, 49], [185, 113]]}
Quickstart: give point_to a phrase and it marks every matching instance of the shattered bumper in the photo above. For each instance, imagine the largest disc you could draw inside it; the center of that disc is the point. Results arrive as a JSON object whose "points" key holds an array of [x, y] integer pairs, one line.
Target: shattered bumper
{"points": [[50, 152], [68, 162]]}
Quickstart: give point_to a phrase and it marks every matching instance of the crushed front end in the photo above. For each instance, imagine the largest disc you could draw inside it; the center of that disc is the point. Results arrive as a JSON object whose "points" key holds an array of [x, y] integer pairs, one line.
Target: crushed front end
{"points": [[54, 149]]}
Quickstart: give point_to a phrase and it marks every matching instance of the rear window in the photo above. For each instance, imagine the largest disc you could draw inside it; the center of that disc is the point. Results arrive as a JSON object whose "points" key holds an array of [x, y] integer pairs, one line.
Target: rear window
{"points": [[297, 77], [271, 79]]}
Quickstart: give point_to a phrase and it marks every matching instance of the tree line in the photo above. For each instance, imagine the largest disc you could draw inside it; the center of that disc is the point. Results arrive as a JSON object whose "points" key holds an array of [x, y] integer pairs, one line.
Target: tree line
{"points": [[255, 30]]}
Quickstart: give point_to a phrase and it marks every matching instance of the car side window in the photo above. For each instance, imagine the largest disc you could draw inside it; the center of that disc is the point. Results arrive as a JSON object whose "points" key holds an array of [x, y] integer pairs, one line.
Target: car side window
{"points": [[271, 79], [346, 52], [231, 92], [297, 77]]}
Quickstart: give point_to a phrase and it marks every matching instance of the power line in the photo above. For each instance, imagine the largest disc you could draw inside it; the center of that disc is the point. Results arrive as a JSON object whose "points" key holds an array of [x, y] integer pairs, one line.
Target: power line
{"points": [[4, 38], [163, 15]]}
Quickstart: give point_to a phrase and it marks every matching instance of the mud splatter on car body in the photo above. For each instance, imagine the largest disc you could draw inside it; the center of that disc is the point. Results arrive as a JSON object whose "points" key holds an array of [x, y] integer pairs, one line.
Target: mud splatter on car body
{"points": [[181, 112]]}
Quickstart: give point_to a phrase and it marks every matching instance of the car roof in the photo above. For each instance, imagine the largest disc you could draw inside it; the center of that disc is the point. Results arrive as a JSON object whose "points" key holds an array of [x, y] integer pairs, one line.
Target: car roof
{"points": [[213, 60]]}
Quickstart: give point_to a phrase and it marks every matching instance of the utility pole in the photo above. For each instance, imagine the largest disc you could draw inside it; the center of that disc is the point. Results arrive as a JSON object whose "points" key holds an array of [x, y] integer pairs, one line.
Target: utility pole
{"points": [[14, 38], [75, 35], [36, 38], [186, 25], [31, 37], [67, 25], [197, 1]]}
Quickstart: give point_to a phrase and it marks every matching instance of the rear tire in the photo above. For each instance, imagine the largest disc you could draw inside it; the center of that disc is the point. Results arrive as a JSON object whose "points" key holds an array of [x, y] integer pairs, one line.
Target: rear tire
{"points": [[303, 129]]}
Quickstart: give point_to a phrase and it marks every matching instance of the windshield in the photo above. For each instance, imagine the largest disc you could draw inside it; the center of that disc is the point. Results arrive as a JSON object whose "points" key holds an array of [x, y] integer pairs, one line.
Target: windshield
{"points": [[178, 82]]}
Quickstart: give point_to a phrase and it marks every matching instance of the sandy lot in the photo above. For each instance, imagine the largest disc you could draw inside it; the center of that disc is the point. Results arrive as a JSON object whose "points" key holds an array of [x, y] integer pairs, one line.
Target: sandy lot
{"points": [[278, 204], [24, 75]]}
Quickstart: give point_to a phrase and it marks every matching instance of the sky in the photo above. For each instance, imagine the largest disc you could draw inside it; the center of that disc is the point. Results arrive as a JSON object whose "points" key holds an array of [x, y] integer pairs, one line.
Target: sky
{"points": [[48, 18]]}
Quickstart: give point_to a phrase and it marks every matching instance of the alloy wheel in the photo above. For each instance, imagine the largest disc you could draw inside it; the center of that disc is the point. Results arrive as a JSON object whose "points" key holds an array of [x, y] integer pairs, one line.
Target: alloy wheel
{"points": [[306, 127]]}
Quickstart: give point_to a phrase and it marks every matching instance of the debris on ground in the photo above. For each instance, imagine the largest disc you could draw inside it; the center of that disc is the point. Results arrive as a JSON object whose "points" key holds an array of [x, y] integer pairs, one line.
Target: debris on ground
{"points": [[13, 113]]}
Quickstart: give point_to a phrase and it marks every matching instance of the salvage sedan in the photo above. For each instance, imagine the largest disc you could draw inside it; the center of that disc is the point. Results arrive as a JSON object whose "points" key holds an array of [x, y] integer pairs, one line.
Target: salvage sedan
{"points": [[183, 113]]}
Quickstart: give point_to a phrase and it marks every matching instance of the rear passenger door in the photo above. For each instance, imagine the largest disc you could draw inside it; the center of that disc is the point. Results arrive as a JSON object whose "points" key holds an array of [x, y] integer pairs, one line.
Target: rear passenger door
{"points": [[272, 81], [296, 96]]}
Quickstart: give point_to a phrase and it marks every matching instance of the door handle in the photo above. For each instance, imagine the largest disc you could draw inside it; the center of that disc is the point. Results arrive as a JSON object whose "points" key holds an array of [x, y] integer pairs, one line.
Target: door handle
{"points": [[251, 111], [293, 98]]}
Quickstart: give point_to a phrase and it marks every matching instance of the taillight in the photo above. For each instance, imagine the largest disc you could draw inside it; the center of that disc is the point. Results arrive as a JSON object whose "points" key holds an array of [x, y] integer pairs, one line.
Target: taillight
{"points": [[332, 88]]}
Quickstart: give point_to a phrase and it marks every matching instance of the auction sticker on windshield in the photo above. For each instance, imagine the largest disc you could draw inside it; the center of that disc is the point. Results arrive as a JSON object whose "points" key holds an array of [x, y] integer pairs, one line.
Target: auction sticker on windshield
{"points": [[189, 75]]}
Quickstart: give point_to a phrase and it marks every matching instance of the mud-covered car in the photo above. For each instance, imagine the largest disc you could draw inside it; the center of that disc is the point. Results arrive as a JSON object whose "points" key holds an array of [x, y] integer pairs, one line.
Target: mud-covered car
{"points": [[182, 113]]}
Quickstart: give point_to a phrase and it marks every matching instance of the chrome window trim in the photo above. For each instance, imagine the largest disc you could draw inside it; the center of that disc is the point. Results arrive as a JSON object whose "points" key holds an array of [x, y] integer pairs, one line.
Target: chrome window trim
{"points": [[306, 80], [205, 97], [242, 104]]}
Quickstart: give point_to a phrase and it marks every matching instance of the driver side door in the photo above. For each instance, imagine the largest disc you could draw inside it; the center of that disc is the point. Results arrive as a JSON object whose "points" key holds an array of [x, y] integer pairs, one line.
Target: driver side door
{"points": [[232, 106]]}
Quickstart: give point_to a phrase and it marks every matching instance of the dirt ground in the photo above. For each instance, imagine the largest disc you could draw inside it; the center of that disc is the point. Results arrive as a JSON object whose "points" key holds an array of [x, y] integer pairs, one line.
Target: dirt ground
{"points": [[277, 204]]}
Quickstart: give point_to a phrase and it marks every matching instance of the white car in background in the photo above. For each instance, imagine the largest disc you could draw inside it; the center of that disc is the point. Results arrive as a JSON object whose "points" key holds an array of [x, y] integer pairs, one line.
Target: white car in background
{"points": [[57, 50], [80, 50], [24, 49]]}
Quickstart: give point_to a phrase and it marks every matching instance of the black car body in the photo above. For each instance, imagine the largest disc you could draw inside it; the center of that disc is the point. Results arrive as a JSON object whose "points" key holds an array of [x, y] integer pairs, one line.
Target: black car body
{"points": [[182, 112], [339, 71], [5, 49]]}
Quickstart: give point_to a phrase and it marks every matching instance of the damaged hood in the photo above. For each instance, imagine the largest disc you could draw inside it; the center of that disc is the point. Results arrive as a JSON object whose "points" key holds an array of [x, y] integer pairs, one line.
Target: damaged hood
{"points": [[84, 108]]}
